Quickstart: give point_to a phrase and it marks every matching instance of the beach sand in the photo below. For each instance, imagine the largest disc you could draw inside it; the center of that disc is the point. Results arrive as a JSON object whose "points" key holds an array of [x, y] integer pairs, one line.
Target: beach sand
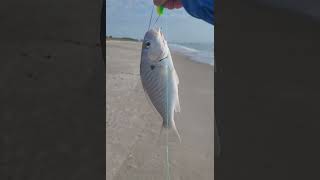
{"points": [[133, 128]]}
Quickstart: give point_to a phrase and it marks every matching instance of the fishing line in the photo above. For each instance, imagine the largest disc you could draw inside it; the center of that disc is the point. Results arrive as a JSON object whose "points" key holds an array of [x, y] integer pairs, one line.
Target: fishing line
{"points": [[150, 18], [167, 136], [156, 20], [167, 164], [167, 146]]}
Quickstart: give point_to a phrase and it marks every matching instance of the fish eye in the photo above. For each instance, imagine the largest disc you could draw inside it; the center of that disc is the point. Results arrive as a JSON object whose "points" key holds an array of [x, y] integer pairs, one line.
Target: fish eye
{"points": [[147, 44]]}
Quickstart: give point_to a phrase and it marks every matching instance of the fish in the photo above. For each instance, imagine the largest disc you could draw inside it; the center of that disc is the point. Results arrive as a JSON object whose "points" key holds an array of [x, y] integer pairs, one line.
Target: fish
{"points": [[159, 78]]}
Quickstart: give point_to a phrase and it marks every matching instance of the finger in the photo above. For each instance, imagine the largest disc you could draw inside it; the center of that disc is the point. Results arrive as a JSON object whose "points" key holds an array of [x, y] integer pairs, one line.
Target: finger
{"points": [[159, 2], [177, 4], [169, 4]]}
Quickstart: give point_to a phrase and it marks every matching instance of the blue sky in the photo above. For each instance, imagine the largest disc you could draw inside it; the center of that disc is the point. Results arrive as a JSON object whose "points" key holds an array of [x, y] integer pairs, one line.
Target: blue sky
{"points": [[130, 18]]}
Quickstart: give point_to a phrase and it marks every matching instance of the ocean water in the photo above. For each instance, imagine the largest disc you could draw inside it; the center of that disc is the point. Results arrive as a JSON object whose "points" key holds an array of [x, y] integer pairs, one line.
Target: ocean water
{"points": [[199, 52]]}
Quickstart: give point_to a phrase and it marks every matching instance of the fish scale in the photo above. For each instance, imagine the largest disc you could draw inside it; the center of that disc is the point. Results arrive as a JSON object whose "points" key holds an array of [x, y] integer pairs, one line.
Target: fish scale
{"points": [[156, 90]]}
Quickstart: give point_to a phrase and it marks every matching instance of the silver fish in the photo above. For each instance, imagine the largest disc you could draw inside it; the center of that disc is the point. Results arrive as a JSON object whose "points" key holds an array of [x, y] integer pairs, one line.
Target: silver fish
{"points": [[159, 78]]}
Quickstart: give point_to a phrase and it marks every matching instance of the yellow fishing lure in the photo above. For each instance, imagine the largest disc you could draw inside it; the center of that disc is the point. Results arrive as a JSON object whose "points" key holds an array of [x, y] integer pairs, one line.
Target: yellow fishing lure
{"points": [[160, 10]]}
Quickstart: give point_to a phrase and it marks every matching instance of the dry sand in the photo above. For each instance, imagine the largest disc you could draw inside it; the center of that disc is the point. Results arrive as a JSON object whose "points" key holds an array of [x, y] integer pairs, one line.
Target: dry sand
{"points": [[133, 150]]}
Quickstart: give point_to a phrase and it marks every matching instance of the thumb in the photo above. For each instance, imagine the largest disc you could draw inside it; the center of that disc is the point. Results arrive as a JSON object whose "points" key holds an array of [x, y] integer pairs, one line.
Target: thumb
{"points": [[159, 2]]}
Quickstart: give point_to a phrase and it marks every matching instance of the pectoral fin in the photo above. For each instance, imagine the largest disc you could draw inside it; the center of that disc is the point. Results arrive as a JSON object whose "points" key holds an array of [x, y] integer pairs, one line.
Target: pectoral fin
{"points": [[177, 105]]}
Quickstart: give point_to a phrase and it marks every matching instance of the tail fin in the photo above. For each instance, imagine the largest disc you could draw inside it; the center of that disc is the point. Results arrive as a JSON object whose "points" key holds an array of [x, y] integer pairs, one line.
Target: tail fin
{"points": [[170, 134]]}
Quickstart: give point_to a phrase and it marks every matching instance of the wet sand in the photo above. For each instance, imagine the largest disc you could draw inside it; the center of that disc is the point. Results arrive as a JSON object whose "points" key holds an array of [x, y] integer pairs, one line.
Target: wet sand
{"points": [[133, 149]]}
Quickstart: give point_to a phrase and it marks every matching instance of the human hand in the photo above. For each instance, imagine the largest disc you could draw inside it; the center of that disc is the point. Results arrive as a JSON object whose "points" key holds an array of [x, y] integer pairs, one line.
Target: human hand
{"points": [[170, 4]]}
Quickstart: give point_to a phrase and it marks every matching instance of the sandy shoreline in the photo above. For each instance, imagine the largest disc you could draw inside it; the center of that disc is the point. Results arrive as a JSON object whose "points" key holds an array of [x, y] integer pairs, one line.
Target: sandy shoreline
{"points": [[133, 128]]}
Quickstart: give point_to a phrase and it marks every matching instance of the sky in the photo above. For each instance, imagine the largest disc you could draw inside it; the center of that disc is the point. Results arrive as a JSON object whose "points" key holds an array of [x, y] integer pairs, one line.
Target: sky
{"points": [[130, 18]]}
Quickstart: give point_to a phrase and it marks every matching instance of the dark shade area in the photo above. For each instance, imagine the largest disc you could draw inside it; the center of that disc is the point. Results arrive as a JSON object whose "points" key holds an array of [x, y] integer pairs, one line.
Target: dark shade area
{"points": [[267, 95], [52, 91], [103, 30]]}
